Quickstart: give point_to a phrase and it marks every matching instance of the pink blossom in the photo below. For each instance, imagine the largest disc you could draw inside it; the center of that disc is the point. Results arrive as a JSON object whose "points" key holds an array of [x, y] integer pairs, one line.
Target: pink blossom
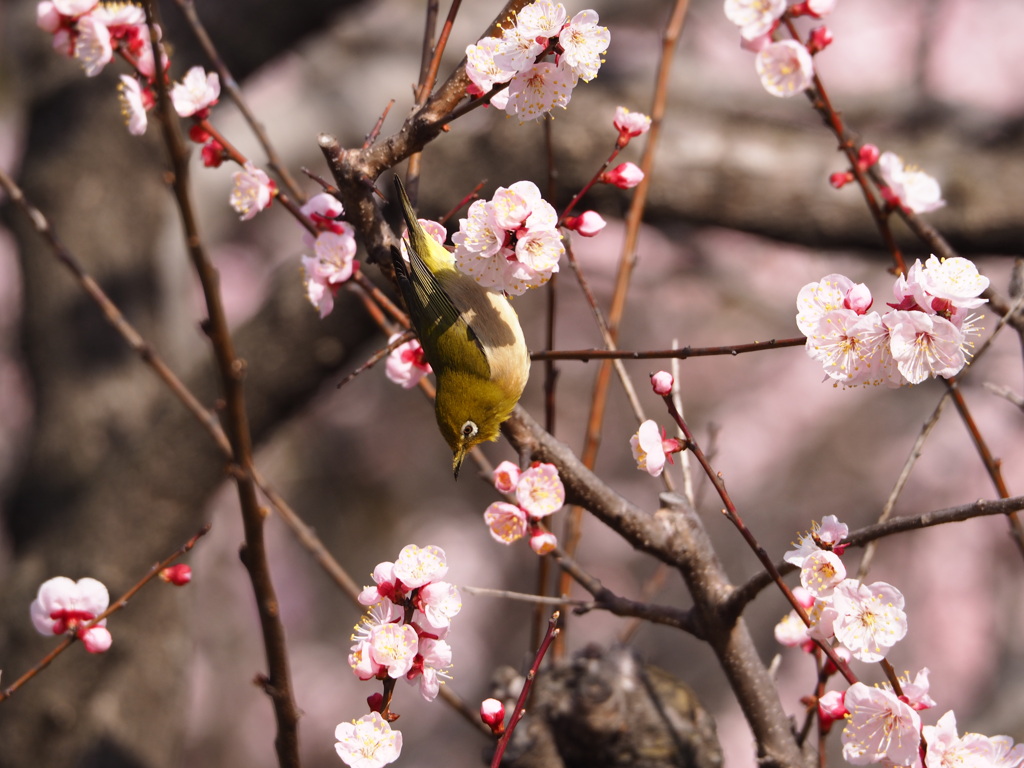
{"points": [[785, 68], [915, 692], [134, 103], [322, 209], [196, 92], [96, 639], [48, 18], [947, 749], [63, 605], [821, 572], [440, 602], [368, 742], [817, 299], [417, 566], [406, 365], [924, 345], [540, 491], [93, 47], [512, 206], [652, 449], [518, 50], [534, 92], [507, 522], [480, 234], [510, 243], [393, 647], [432, 663], [828, 534], [791, 631], [251, 192], [331, 265], [542, 18], [384, 586], [481, 67], [852, 348], [74, 8], [910, 187], [870, 618], [879, 727], [582, 42], [505, 477], [955, 281], [755, 18]]}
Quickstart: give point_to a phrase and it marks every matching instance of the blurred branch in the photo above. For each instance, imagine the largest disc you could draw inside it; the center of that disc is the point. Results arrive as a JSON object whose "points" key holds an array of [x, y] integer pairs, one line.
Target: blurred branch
{"points": [[278, 685]]}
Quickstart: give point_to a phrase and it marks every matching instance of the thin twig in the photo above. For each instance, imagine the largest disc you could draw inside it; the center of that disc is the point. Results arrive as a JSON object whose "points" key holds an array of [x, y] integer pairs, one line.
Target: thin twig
{"points": [[114, 607], [676, 353], [231, 86], [673, 29], [531, 676], [254, 555]]}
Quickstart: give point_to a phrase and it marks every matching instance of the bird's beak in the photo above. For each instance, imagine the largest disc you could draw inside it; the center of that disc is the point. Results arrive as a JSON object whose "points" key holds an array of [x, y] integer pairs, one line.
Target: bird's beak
{"points": [[460, 454]]}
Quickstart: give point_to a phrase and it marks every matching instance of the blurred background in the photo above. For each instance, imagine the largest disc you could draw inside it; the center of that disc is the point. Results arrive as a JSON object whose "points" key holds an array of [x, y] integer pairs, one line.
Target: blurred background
{"points": [[102, 473]]}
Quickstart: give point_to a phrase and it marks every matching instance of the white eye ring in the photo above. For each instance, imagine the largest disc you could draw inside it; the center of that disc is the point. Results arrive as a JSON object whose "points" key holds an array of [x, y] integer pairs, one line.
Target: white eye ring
{"points": [[469, 429]]}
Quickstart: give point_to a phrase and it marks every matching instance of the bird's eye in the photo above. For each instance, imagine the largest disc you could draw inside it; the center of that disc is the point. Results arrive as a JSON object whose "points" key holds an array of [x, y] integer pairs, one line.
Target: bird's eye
{"points": [[469, 429]]}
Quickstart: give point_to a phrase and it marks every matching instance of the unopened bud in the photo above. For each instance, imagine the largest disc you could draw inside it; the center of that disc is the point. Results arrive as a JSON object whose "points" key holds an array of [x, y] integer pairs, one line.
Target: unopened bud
{"points": [[178, 575], [543, 542], [840, 179], [820, 39], [492, 712], [624, 176], [662, 382], [867, 156], [588, 223]]}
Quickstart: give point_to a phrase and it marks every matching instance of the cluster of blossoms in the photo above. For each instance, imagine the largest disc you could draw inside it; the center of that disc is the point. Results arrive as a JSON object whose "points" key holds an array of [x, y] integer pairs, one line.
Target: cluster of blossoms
{"points": [[334, 250], [93, 32], [511, 242], [411, 608], [784, 66], [538, 491], [867, 620], [401, 636], [926, 332], [536, 87]]}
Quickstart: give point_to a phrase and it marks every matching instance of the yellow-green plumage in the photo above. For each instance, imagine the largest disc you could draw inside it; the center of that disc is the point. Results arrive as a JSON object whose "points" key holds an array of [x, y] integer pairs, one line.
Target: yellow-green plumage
{"points": [[470, 335]]}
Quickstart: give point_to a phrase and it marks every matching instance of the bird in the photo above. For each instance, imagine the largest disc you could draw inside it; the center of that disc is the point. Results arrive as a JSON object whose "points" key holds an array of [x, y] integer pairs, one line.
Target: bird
{"points": [[470, 335]]}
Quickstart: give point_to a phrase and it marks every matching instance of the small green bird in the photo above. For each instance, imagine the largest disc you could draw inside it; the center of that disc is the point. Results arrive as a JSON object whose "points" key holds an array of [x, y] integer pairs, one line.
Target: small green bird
{"points": [[470, 335]]}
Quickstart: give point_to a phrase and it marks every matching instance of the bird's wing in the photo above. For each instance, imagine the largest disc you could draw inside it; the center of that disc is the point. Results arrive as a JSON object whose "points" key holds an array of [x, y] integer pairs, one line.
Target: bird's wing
{"points": [[436, 314]]}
